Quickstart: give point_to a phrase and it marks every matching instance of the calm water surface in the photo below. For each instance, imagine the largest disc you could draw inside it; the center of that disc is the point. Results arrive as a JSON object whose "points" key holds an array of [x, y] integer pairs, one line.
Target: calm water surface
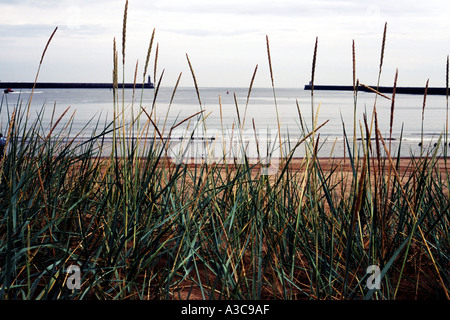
{"points": [[219, 105]]}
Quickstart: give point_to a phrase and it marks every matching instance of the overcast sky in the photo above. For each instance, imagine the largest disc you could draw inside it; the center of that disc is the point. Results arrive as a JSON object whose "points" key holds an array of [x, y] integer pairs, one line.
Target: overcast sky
{"points": [[225, 40]]}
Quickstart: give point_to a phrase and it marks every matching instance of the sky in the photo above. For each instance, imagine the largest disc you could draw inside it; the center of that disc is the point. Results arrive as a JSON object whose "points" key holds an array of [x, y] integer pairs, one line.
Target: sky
{"points": [[226, 40]]}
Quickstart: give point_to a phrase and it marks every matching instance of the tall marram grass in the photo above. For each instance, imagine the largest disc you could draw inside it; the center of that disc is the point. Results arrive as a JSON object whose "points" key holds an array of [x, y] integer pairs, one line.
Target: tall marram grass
{"points": [[142, 227]]}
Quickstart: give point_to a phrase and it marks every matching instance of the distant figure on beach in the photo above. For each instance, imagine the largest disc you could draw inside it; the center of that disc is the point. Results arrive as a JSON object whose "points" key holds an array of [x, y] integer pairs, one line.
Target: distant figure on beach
{"points": [[2, 145]]}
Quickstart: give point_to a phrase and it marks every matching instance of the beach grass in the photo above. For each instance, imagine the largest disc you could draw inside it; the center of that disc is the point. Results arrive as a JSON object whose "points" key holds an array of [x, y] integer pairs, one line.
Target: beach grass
{"points": [[141, 226]]}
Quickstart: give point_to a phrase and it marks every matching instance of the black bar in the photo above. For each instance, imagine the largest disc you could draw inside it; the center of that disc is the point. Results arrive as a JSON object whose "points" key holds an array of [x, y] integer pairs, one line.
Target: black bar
{"points": [[404, 90], [62, 85]]}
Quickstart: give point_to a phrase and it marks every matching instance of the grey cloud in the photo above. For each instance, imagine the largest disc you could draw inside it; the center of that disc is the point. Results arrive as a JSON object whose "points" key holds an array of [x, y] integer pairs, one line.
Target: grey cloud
{"points": [[210, 32], [301, 8], [45, 30], [277, 8], [25, 31]]}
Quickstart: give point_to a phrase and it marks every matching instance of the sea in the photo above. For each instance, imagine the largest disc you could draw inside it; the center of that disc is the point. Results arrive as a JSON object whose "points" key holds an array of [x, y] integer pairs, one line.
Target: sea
{"points": [[261, 116]]}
